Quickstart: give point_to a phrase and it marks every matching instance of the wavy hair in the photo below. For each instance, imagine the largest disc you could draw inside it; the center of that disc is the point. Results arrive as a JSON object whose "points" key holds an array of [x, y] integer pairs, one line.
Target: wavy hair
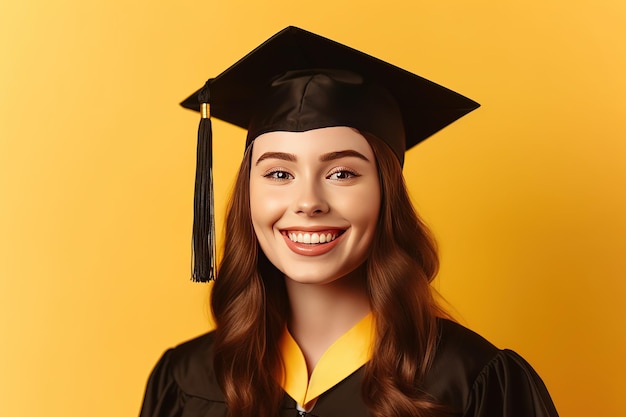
{"points": [[250, 306]]}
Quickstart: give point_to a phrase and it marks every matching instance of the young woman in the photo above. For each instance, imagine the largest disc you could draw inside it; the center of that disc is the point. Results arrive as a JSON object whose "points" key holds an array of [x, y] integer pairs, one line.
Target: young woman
{"points": [[322, 301]]}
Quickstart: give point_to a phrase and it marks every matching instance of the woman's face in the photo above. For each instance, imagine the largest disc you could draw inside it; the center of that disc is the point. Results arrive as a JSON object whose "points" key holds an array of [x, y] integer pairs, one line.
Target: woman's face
{"points": [[314, 199]]}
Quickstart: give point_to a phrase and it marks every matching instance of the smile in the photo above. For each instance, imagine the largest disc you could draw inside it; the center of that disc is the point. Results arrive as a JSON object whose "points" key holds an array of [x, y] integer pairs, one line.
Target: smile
{"points": [[312, 243], [313, 238]]}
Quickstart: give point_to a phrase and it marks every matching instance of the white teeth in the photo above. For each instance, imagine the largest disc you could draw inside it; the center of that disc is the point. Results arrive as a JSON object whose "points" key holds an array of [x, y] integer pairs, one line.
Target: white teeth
{"points": [[311, 238]]}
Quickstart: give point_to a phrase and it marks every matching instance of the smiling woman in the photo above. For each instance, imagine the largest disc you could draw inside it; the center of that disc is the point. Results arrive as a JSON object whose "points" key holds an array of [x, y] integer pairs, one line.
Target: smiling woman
{"points": [[322, 301]]}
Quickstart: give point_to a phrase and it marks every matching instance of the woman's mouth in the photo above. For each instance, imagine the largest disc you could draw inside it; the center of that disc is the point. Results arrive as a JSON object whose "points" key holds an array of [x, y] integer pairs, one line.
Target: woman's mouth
{"points": [[312, 243], [313, 238]]}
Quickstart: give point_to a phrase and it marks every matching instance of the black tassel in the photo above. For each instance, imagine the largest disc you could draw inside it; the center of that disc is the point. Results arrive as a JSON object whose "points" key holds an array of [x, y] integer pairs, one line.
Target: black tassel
{"points": [[204, 257]]}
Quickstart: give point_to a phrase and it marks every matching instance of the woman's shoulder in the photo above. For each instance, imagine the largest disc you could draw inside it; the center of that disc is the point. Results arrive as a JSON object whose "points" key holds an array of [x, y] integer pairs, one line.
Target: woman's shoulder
{"points": [[475, 377], [190, 365], [183, 378], [460, 357], [461, 347], [193, 350]]}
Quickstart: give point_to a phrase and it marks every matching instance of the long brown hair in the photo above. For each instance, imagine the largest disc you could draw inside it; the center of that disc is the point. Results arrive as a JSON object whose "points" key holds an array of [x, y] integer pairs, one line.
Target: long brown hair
{"points": [[250, 306]]}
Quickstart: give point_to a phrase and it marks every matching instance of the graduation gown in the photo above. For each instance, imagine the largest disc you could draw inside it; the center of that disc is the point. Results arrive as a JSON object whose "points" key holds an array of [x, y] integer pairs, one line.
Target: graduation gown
{"points": [[469, 375]]}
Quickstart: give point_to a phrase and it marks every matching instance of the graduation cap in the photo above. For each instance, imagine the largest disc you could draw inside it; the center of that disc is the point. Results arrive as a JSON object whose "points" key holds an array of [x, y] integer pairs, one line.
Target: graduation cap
{"points": [[298, 81]]}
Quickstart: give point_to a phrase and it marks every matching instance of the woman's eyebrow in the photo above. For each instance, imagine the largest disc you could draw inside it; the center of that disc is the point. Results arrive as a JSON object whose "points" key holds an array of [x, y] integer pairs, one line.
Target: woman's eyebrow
{"points": [[330, 156], [277, 155], [342, 154]]}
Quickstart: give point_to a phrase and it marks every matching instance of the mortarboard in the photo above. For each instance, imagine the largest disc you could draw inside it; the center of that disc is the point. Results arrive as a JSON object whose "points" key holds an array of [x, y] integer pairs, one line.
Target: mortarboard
{"points": [[298, 81]]}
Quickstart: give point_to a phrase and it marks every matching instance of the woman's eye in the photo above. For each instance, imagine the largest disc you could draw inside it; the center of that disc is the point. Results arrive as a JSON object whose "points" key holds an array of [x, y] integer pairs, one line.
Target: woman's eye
{"points": [[342, 174], [279, 175]]}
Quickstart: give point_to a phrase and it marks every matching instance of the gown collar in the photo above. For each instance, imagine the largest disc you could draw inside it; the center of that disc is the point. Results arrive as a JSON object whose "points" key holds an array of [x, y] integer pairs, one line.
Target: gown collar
{"points": [[347, 354]]}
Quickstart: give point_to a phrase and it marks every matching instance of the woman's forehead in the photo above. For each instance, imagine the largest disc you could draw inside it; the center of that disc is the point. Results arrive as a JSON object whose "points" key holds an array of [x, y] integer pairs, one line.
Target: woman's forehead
{"points": [[314, 142]]}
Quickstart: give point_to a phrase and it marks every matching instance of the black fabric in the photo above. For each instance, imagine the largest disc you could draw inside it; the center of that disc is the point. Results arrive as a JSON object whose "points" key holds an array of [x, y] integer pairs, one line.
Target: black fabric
{"points": [[236, 93], [311, 99], [469, 375]]}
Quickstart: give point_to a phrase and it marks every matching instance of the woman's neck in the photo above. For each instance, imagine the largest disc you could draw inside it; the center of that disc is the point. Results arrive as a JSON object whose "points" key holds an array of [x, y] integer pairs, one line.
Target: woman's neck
{"points": [[321, 314]]}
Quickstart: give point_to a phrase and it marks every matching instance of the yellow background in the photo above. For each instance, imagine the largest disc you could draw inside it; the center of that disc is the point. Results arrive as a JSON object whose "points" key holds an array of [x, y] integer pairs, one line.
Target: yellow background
{"points": [[526, 194]]}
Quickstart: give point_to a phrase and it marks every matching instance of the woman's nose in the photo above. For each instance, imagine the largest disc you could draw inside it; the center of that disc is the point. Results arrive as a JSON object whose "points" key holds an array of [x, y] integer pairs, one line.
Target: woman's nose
{"points": [[311, 200]]}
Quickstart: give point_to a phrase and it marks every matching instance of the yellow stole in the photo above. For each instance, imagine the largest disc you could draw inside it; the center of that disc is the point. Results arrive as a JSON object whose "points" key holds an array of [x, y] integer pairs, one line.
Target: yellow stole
{"points": [[347, 354]]}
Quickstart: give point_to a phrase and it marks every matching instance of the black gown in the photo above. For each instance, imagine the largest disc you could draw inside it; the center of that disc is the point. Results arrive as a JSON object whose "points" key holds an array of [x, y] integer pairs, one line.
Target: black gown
{"points": [[469, 375]]}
